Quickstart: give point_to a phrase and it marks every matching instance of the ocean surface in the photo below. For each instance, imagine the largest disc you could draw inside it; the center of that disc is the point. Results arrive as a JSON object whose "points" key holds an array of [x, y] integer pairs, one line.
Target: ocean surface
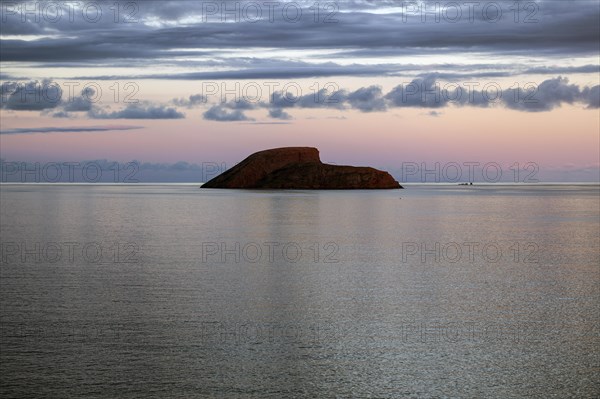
{"points": [[170, 291]]}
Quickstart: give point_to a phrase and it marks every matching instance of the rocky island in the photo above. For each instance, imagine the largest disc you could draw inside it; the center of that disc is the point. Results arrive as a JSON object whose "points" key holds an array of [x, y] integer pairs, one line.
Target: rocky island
{"points": [[299, 168]]}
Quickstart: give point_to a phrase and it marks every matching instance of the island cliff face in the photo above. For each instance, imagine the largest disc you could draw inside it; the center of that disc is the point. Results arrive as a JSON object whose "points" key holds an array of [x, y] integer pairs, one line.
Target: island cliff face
{"points": [[299, 168]]}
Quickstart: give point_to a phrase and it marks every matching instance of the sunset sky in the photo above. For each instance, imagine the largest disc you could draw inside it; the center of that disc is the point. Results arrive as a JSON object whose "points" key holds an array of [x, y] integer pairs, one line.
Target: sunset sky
{"points": [[377, 83]]}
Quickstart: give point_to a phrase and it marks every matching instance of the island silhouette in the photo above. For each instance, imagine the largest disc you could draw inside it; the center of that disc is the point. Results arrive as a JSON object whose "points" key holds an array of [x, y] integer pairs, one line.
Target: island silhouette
{"points": [[299, 168]]}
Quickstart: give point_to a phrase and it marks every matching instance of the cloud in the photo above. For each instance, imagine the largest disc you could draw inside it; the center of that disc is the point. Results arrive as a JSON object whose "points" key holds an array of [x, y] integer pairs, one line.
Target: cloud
{"points": [[421, 92], [138, 111], [242, 105], [286, 72], [178, 41], [429, 92], [426, 91], [45, 96], [324, 98], [81, 103], [591, 95], [73, 129], [190, 102], [278, 113], [8, 87], [31, 96], [367, 99], [61, 114], [266, 123], [222, 113], [178, 29], [549, 94], [252, 68], [552, 70]]}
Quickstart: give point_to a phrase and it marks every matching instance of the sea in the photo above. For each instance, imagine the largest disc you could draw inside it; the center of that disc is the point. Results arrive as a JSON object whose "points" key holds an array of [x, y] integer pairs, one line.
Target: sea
{"points": [[173, 291]]}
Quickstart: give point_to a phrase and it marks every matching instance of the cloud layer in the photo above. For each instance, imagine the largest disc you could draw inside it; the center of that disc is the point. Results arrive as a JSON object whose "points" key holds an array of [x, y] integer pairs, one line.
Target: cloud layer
{"points": [[238, 41], [72, 129], [158, 30]]}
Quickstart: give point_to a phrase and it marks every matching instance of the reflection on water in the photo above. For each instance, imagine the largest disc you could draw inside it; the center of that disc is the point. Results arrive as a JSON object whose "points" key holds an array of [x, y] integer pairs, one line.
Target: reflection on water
{"points": [[173, 291]]}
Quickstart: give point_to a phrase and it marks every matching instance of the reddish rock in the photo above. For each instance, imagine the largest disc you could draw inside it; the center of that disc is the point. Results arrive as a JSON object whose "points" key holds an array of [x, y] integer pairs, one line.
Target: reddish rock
{"points": [[299, 168]]}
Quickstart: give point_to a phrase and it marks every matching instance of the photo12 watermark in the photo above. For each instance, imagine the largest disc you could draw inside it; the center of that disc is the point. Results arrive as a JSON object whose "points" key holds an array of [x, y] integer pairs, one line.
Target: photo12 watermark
{"points": [[470, 171], [269, 252], [67, 11], [107, 172], [73, 95], [270, 92], [491, 12], [269, 11], [69, 172], [421, 92], [70, 252], [469, 252], [455, 332]]}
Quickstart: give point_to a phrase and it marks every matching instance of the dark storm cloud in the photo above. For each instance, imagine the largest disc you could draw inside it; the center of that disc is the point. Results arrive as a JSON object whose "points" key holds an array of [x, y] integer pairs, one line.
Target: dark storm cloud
{"points": [[5, 76], [175, 34], [552, 70], [280, 72], [97, 47], [299, 70], [558, 27]]}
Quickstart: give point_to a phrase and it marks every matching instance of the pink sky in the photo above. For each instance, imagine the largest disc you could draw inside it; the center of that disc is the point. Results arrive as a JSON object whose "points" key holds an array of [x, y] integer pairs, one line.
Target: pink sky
{"points": [[553, 139]]}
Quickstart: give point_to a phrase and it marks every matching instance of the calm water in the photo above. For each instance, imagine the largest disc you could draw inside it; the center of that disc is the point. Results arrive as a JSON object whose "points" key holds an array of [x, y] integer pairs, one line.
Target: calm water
{"points": [[173, 291]]}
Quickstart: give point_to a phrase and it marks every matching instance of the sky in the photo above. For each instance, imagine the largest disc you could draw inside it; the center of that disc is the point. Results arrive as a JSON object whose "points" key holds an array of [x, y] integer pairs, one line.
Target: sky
{"points": [[413, 87]]}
